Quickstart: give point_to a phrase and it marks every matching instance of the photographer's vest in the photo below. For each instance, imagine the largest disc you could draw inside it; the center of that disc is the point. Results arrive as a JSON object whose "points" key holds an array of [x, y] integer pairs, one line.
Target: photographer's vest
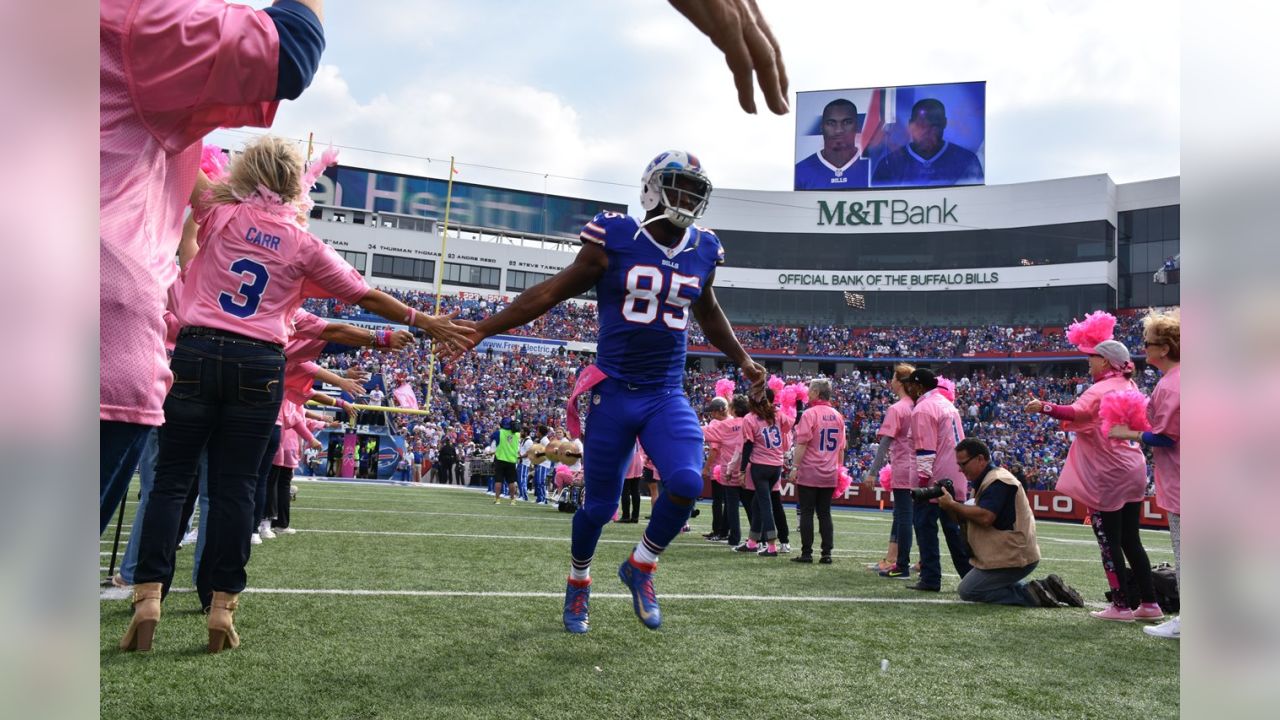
{"points": [[993, 549]]}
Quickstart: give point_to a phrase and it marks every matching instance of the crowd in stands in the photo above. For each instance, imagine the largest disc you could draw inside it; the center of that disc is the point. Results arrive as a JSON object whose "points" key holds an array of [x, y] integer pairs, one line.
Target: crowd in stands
{"points": [[470, 397], [577, 322]]}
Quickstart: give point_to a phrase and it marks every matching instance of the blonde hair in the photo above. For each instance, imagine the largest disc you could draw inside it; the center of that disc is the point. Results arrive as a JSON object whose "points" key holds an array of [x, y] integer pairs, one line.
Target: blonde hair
{"points": [[1165, 328], [270, 162], [902, 371]]}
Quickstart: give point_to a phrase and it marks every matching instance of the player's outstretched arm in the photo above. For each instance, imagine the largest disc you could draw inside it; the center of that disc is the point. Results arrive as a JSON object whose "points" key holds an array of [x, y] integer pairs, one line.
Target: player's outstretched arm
{"points": [[716, 327], [579, 277], [740, 31]]}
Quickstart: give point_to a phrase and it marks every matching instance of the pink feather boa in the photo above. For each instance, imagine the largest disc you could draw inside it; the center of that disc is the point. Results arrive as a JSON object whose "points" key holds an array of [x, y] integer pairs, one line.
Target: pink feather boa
{"points": [[214, 163], [717, 473], [947, 389], [1098, 326], [1125, 407], [886, 476], [843, 481], [776, 384]]}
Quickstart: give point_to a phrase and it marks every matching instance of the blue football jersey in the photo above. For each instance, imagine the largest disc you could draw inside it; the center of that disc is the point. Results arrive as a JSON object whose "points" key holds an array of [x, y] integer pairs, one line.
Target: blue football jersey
{"points": [[644, 297], [815, 173]]}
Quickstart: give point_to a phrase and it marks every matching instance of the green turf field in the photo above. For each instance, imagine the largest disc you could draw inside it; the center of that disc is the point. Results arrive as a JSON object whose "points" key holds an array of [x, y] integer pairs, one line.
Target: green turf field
{"points": [[396, 602]]}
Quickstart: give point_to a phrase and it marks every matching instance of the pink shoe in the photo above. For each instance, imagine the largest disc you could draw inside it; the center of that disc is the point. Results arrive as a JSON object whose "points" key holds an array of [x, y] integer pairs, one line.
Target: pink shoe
{"points": [[1148, 611], [1115, 613]]}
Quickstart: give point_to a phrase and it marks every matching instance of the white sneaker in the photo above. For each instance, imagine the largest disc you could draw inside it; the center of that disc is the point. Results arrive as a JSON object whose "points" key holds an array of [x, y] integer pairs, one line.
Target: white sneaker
{"points": [[190, 537], [784, 548], [1170, 629], [264, 531], [284, 531], [254, 539]]}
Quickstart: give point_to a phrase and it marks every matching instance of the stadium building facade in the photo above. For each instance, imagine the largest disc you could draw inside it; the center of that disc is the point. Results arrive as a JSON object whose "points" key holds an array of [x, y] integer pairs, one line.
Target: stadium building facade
{"points": [[1032, 254]]}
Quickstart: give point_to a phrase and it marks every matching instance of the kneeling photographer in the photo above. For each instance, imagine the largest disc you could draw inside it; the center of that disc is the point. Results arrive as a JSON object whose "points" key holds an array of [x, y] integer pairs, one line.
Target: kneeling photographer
{"points": [[1001, 534]]}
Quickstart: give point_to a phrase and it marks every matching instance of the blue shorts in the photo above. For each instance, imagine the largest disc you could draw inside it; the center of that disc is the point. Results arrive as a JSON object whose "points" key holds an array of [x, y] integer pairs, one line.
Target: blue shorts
{"points": [[664, 422]]}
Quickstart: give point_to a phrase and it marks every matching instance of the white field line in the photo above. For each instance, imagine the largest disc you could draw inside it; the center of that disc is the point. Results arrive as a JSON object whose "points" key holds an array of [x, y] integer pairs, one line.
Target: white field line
{"points": [[124, 593]]}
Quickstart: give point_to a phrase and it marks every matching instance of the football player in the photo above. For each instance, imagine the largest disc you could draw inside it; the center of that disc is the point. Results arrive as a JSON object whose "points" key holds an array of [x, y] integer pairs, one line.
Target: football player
{"points": [[650, 276]]}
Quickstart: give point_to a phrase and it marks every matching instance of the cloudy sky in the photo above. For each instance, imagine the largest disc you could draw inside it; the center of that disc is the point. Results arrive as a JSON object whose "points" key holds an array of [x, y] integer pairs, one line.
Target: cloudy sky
{"points": [[574, 97]]}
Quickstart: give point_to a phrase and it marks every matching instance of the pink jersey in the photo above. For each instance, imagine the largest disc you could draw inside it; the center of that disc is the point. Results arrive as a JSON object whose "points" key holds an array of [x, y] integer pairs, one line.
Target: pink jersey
{"points": [[1165, 413], [902, 453], [299, 379], [1102, 473], [170, 72], [254, 269], [636, 468], [821, 431], [936, 428], [769, 442], [725, 438]]}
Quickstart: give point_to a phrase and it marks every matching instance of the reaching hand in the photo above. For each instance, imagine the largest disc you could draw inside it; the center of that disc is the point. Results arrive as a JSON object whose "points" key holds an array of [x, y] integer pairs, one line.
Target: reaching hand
{"points": [[1034, 406], [739, 30], [758, 376], [401, 339], [444, 330], [351, 387], [357, 374], [472, 337]]}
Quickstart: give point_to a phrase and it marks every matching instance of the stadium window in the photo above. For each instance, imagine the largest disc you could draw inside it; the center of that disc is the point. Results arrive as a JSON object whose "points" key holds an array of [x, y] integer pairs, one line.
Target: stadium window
{"points": [[402, 268], [354, 259], [1172, 222], [472, 275]]}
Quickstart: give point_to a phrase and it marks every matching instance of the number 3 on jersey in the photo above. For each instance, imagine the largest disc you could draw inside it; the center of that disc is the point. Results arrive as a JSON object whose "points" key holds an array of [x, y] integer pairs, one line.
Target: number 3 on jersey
{"points": [[254, 278], [644, 287]]}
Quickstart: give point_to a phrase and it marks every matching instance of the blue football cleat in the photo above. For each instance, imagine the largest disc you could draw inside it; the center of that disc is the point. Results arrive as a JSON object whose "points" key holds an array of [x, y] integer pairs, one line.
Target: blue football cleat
{"points": [[643, 598], [576, 598]]}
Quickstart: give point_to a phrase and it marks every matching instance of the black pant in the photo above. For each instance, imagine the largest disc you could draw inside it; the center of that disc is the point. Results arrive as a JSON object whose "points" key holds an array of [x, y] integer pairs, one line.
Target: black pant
{"points": [[717, 508], [1121, 528], [732, 520], [260, 494], [504, 475], [763, 525], [811, 499], [631, 499], [445, 473], [121, 445], [278, 495], [225, 395], [780, 517]]}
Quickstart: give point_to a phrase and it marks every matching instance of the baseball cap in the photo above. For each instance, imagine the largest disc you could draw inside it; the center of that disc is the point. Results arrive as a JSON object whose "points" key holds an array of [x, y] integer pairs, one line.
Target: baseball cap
{"points": [[923, 377]]}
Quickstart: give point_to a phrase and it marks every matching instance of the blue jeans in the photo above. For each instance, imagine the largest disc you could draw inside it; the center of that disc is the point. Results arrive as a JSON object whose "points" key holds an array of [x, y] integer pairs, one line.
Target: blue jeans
{"points": [[264, 473], [902, 526], [763, 527], [225, 397], [925, 516], [147, 475], [120, 444], [1002, 587]]}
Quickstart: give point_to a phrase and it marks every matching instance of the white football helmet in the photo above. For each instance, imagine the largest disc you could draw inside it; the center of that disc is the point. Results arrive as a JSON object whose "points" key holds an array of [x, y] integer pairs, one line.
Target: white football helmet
{"points": [[660, 186]]}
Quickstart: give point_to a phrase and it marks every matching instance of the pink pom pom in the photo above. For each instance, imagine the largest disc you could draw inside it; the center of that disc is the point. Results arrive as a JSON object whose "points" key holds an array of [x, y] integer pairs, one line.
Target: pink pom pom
{"points": [[725, 388], [886, 476], [214, 163], [717, 473], [1126, 407], [776, 384], [1098, 326], [947, 389], [801, 391], [843, 481]]}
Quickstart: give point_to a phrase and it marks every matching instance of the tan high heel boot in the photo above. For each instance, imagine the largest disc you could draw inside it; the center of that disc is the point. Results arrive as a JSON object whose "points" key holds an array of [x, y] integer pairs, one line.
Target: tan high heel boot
{"points": [[146, 613], [222, 629]]}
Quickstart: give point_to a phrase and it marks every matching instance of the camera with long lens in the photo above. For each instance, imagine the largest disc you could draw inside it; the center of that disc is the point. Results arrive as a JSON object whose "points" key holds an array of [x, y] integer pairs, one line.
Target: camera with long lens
{"points": [[934, 491]]}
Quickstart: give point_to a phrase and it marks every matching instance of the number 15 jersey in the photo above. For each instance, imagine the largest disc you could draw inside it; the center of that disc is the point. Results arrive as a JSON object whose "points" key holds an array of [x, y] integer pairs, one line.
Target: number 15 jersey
{"points": [[645, 297]]}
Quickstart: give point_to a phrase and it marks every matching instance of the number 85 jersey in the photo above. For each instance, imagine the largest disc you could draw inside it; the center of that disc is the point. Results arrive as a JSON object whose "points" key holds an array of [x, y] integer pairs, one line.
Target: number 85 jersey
{"points": [[645, 297]]}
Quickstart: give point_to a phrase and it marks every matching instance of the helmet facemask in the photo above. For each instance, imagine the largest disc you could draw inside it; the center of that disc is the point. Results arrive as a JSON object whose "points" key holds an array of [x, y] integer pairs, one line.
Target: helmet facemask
{"points": [[683, 194]]}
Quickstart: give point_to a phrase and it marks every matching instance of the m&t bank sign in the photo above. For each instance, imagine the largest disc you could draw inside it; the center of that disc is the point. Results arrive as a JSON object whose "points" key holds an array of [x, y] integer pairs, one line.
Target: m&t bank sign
{"points": [[885, 212]]}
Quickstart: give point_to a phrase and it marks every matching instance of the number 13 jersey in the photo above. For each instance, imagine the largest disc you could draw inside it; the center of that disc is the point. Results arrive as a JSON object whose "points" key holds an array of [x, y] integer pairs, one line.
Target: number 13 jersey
{"points": [[645, 297]]}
